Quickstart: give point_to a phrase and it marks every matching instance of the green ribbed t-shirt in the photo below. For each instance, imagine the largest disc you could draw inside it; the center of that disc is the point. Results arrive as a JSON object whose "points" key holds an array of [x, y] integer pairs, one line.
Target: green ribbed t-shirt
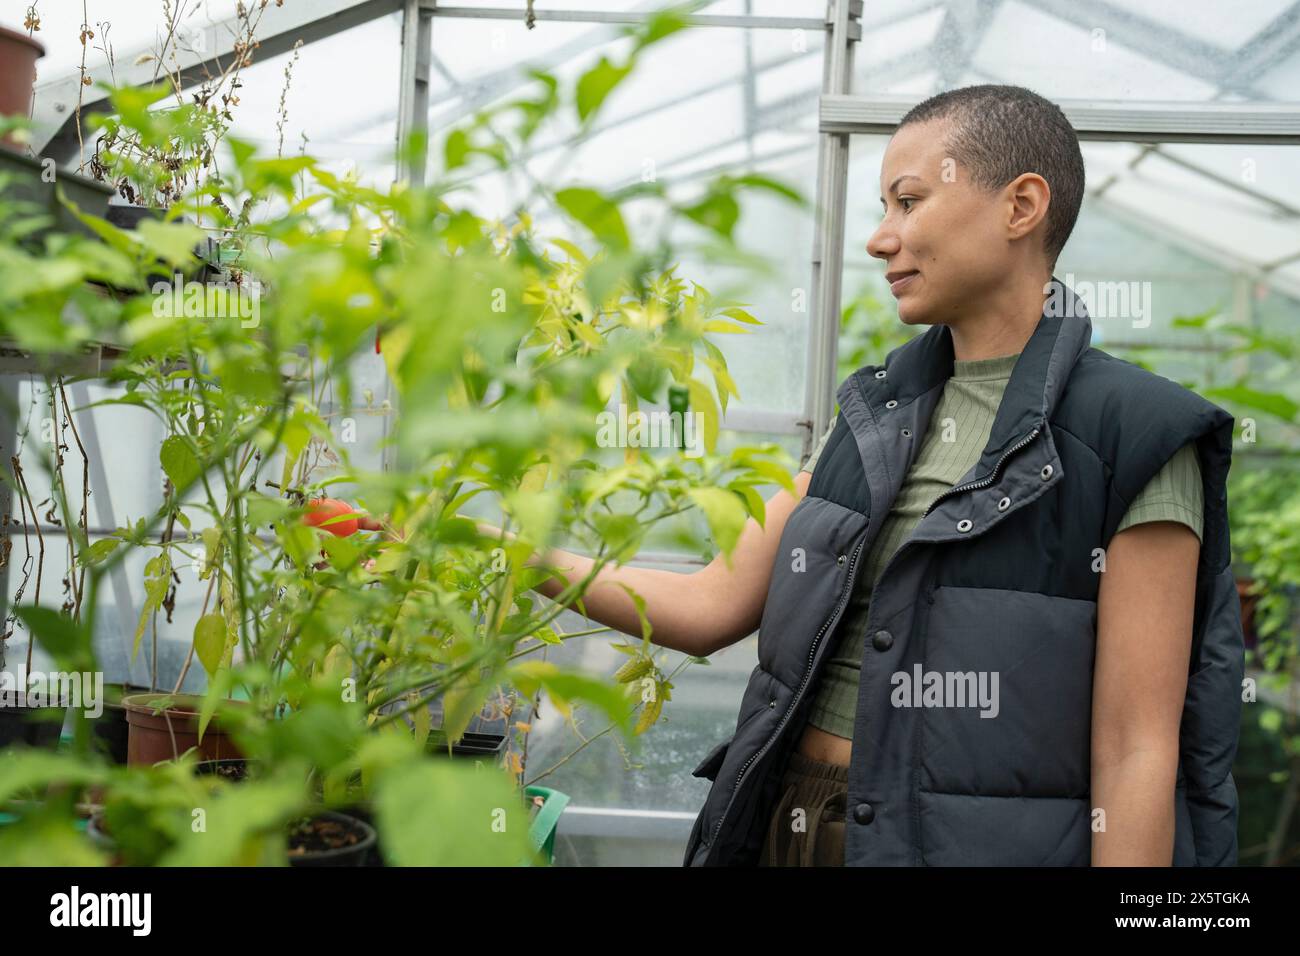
{"points": [[958, 431]]}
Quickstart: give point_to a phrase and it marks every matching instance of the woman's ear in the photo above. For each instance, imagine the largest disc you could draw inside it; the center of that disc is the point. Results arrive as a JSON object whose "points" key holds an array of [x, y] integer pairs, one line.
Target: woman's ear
{"points": [[1029, 196]]}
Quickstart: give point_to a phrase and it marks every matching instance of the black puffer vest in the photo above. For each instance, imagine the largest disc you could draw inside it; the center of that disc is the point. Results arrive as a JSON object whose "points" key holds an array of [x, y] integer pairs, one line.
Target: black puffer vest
{"points": [[998, 577]]}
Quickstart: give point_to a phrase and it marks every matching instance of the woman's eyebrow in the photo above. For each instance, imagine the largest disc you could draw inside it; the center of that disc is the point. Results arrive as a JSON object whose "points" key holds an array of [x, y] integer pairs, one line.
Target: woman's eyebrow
{"points": [[897, 180]]}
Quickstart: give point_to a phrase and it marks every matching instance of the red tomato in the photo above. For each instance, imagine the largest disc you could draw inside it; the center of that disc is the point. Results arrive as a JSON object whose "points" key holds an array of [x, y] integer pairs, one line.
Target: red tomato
{"points": [[320, 510]]}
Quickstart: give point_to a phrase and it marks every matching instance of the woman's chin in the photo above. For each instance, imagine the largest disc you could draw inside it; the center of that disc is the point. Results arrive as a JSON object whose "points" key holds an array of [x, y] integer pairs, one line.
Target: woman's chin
{"points": [[912, 313]]}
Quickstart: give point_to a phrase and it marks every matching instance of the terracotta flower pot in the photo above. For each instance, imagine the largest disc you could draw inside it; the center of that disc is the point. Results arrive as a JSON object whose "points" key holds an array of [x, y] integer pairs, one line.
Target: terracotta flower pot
{"points": [[18, 56], [169, 733]]}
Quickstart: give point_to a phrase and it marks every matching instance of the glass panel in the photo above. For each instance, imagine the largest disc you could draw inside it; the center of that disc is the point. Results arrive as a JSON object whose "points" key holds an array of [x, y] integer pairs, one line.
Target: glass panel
{"points": [[1145, 50], [125, 476], [1210, 22], [672, 122], [122, 596], [341, 96], [122, 444], [117, 24]]}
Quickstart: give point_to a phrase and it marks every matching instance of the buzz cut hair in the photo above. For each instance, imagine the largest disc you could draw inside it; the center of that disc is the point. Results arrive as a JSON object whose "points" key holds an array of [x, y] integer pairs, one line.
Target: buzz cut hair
{"points": [[998, 132]]}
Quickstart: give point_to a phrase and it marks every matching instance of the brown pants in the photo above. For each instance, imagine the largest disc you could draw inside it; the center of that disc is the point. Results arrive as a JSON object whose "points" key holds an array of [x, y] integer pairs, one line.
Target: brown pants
{"points": [[807, 826]]}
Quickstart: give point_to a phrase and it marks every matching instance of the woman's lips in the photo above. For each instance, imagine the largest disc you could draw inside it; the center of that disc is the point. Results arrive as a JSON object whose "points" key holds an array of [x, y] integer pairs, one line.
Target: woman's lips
{"points": [[902, 282]]}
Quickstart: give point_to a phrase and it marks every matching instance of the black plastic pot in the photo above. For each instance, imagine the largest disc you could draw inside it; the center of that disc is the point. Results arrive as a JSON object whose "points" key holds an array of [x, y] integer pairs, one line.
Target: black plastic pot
{"points": [[479, 741], [365, 813], [232, 769], [128, 217], [352, 855], [356, 854], [470, 745], [21, 725], [27, 181], [110, 728]]}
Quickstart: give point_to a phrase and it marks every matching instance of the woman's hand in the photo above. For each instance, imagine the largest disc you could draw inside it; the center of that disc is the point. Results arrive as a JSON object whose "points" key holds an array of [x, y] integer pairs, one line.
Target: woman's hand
{"points": [[367, 522]]}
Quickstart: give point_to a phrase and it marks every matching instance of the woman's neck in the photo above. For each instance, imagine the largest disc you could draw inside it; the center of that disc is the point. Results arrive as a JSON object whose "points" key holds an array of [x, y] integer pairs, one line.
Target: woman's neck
{"points": [[1001, 327]]}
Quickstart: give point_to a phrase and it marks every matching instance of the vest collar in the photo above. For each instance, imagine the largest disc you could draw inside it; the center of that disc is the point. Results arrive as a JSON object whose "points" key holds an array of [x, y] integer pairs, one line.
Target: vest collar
{"points": [[1063, 333]]}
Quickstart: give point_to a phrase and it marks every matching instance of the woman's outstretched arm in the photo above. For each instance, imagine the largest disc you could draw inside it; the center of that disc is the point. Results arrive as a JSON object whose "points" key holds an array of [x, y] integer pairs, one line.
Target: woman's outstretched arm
{"points": [[695, 612]]}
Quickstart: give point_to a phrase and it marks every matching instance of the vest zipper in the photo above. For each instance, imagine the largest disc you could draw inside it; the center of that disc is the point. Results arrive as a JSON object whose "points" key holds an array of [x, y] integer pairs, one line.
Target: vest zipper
{"points": [[812, 653], [988, 479]]}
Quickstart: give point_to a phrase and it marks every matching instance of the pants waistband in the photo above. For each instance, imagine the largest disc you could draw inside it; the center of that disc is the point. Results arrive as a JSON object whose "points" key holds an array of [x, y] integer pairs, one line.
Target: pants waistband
{"points": [[808, 767]]}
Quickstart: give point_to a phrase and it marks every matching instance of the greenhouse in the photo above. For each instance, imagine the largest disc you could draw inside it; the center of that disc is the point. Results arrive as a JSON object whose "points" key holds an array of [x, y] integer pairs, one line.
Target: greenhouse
{"points": [[553, 432]]}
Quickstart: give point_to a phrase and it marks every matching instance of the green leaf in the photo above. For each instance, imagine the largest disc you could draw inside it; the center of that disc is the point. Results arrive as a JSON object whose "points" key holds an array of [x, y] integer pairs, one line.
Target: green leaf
{"points": [[439, 812], [263, 510], [574, 252], [726, 515], [770, 469], [566, 686], [595, 212], [23, 770], [178, 462], [702, 402], [621, 533], [157, 579], [47, 839], [100, 550], [757, 181], [597, 83], [1273, 403], [294, 438], [119, 239], [244, 825], [639, 603], [461, 703], [754, 503], [662, 23], [342, 552], [57, 633], [717, 211], [174, 243], [740, 315], [210, 641]]}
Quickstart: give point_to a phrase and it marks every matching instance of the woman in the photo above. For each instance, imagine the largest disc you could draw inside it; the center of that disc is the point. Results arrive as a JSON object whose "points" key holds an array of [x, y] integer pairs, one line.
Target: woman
{"points": [[1081, 595]]}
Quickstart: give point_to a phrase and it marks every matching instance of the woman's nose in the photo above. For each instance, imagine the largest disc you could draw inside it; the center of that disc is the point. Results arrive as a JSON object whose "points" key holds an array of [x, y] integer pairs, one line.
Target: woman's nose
{"points": [[883, 243]]}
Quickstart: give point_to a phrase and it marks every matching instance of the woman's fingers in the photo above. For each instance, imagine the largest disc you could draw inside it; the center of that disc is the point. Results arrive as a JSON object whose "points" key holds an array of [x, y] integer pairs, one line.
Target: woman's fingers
{"points": [[369, 523]]}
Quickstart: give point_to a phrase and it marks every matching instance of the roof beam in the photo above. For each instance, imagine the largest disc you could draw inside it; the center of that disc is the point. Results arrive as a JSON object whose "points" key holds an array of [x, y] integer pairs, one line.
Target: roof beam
{"points": [[54, 117], [1128, 121], [1160, 41], [1265, 50]]}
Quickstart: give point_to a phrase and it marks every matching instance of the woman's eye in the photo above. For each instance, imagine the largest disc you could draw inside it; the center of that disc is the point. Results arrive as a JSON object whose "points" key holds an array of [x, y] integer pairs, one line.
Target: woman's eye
{"points": [[904, 202]]}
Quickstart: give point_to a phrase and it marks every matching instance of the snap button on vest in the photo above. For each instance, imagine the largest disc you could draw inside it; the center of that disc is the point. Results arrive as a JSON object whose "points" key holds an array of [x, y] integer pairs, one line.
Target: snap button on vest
{"points": [[840, 560], [1046, 472], [1004, 504], [880, 374], [891, 403], [863, 813], [964, 524], [883, 641], [907, 433]]}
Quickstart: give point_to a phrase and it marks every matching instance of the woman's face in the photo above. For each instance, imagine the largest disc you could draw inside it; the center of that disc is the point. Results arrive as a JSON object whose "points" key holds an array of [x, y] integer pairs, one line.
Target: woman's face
{"points": [[944, 240]]}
